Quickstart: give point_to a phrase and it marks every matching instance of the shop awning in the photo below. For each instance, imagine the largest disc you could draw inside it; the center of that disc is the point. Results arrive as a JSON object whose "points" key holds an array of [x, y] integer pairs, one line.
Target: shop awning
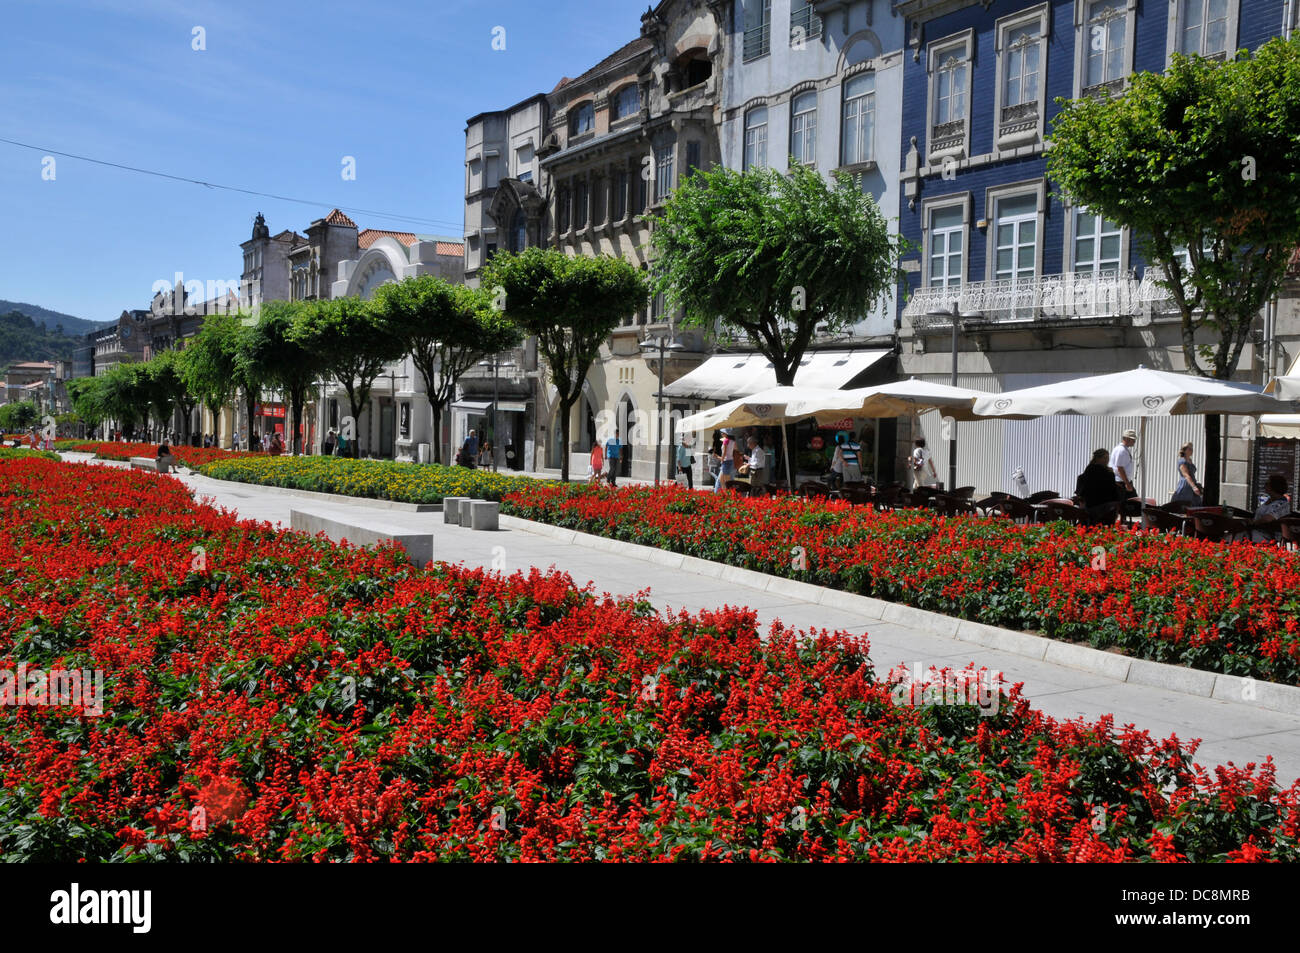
{"points": [[510, 407], [475, 406], [728, 376]]}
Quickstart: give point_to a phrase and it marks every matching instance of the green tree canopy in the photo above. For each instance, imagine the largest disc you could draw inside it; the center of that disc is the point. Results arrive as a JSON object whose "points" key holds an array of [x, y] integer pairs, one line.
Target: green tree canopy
{"points": [[166, 390], [774, 256], [571, 304], [279, 352], [1202, 163], [354, 342], [208, 365], [446, 328]]}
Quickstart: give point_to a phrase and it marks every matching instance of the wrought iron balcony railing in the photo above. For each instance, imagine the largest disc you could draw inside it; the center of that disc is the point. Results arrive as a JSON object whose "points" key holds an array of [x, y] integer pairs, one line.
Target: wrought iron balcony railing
{"points": [[1075, 296]]}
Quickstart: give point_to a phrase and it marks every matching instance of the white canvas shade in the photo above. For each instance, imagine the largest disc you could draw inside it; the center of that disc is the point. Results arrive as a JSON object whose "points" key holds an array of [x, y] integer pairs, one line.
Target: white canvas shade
{"points": [[1138, 393], [896, 399]]}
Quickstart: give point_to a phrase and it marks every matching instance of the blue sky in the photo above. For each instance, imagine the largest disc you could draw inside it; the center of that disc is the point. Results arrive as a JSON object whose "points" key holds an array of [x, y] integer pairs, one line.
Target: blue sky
{"points": [[279, 96]]}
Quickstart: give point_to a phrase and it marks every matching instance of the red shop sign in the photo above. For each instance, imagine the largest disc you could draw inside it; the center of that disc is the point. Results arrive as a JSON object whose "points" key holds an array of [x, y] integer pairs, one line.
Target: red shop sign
{"points": [[845, 424], [268, 410], [816, 443]]}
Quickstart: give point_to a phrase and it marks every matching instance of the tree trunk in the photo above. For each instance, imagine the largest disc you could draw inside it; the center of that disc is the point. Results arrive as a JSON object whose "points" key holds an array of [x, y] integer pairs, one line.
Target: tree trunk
{"points": [[565, 408], [1213, 456], [435, 411], [296, 400], [250, 403], [354, 445]]}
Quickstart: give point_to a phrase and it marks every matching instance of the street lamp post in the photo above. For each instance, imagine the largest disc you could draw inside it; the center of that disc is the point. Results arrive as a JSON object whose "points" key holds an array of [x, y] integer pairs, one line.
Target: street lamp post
{"points": [[661, 344], [954, 314]]}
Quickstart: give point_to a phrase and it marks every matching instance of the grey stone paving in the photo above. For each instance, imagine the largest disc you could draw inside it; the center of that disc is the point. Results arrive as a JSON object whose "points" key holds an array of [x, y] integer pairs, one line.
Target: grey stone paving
{"points": [[1236, 732]]}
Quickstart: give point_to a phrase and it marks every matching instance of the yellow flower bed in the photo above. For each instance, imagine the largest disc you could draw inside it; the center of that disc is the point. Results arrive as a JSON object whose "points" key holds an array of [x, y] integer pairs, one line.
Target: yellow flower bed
{"points": [[374, 479]]}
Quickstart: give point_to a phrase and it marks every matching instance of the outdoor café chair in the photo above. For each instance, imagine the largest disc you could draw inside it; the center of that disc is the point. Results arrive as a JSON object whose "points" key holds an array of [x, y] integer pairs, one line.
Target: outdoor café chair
{"points": [[1017, 510], [886, 498], [1163, 521], [1289, 527], [858, 496], [1062, 509], [989, 503], [1216, 526], [1042, 496], [964, 493], [811, 489]]}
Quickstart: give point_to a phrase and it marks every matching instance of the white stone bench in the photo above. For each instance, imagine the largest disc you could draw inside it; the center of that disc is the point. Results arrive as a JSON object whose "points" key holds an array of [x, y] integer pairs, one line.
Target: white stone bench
{"points": [[156, 464], [367, 531]]}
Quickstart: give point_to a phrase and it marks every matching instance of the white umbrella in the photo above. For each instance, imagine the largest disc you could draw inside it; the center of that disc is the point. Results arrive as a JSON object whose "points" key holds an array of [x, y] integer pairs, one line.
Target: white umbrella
{"points": [[1139, 393], [769, 407], [894, 400]]}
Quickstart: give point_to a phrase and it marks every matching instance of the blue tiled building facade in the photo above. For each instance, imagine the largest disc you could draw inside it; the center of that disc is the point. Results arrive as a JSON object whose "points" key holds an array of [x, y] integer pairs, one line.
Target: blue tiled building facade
{"points": [[1046, 291]]}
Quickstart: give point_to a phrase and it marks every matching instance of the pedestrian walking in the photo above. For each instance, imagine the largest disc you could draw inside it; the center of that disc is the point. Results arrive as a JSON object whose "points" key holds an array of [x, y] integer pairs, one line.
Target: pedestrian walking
{"points": [[613, 457], [726, 462], [327, 446], [686, 462], [1121, 462], [921, 464], [1187, 490], [469, 451], [595, 465]]}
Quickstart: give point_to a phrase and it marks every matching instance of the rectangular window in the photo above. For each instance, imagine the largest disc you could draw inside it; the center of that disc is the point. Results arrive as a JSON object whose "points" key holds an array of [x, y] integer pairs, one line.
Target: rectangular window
{"points": [[1017, 237], [950, 91], [1021, 77], [758, 28], [562, 200], [947, 247], [1204, 27], [1106, 26], [1096, 244], [692, 156], [524, 163], [642, 192], [857, 133], [804, 21], [598, 201], [492, 174], [663, 173], [756, 138], [620, 196], [803, 128], [580, 205]]}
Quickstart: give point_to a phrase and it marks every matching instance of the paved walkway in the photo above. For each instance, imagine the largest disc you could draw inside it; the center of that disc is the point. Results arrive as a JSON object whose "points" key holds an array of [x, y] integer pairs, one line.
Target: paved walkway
{"points": [[1230, 731]]}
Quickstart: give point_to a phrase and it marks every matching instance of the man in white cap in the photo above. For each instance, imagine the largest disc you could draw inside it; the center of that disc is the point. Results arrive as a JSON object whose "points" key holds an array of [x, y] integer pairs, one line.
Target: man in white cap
{"points": [[1121, 462]]}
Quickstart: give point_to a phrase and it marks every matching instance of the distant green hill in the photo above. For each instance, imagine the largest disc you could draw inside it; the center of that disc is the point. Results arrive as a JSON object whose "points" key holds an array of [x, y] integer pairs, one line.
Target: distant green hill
{"points": [[22, 339], [71, 325]]}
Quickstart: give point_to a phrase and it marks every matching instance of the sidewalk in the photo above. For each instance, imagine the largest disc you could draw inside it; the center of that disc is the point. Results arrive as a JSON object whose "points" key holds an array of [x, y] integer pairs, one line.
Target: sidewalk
{"points": [[1231, 731]]}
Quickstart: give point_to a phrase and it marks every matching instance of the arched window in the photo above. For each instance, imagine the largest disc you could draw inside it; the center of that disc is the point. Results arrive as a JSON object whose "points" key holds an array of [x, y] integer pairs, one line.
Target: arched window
{"points": [[582, 119], [857, 133], [627, 101], [803, 128], [756, 138], [518, 231]]}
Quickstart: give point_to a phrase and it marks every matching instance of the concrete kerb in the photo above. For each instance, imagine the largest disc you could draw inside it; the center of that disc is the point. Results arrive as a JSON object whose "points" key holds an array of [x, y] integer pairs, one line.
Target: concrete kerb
{"points": [[1177, 678]]}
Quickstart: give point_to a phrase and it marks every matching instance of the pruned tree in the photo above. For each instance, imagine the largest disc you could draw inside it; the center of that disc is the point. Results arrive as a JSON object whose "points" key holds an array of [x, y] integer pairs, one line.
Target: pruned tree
{"points": [[280, 353], [446, 329], [1202, 164], [167, 391], [354, 342], [208, 366], [774, 256], [571, 304]]}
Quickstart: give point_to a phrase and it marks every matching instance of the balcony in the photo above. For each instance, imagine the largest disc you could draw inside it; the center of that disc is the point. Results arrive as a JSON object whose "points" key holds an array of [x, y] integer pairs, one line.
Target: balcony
{"points": [[758, 41], [1080, 297]]}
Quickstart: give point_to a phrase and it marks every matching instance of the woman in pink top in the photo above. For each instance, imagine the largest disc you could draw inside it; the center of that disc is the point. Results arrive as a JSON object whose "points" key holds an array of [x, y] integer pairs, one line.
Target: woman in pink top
{"points": [[597, 463]]}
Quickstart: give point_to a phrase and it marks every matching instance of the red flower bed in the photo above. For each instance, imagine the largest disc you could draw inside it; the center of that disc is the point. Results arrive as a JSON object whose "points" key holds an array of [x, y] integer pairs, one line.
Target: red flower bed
{"points": [[1232, 608], [190, 456], [275, 697]]}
